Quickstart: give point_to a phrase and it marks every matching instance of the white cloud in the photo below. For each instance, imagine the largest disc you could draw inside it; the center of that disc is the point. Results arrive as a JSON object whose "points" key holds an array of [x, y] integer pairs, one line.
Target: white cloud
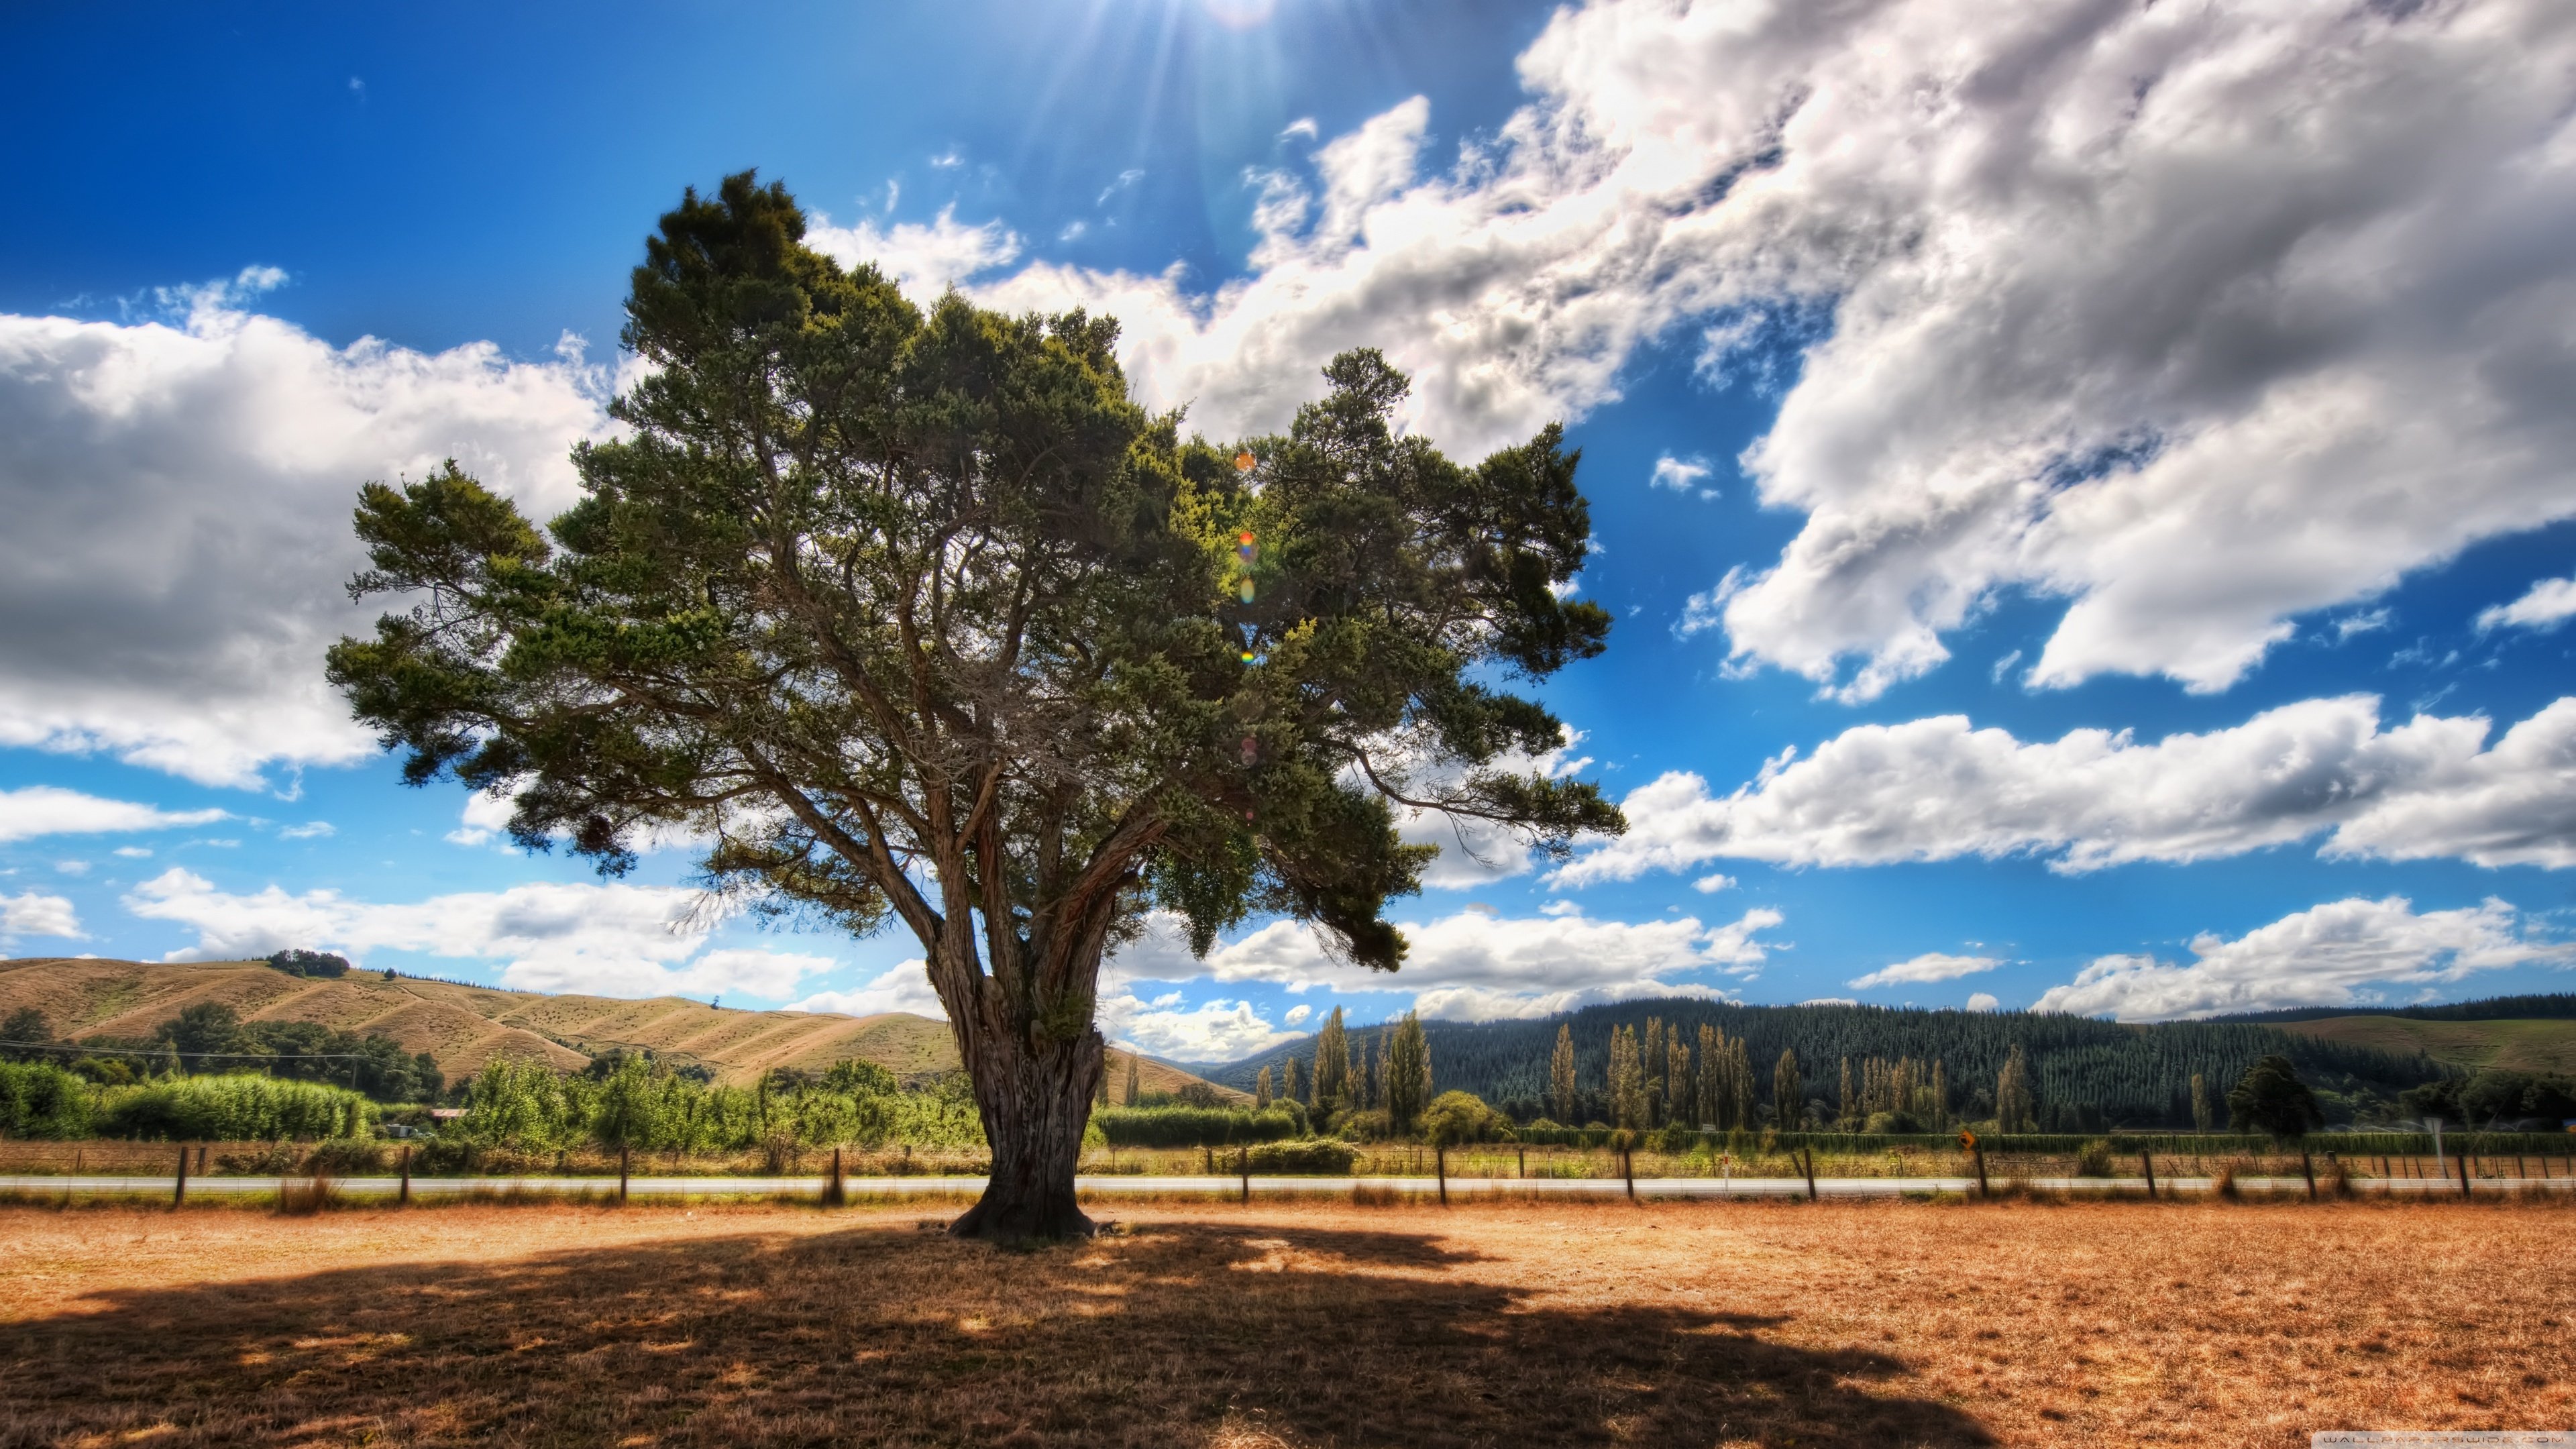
{"points": [[1984, 1001], [923, 261], [612, 940], [31, 913], [1297, 1014], [1935, 789], [1709, 885], [49, 810], [309, 830], [904, 988], [2199, 317], [2547, 606], [1928, 967], [1212, 1031], [1476, 965], [2317, 957], [178, 496], [133, 852], [1680, 475], [72, 867], [483, 819]]}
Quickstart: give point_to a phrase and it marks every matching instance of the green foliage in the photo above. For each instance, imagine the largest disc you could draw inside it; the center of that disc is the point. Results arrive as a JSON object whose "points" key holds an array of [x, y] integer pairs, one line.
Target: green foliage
{"points": [[320, 965], [27, 1025], [2086, 1076], [629, 1102], [235, 1107], [2497, 1098], [1408, 1073], [1323, 1156], [1183, 1126], [212, 1036], [2271, 1099], [2015, 1107], [1332, 1067], [40, 1099], [1456, 1117]]}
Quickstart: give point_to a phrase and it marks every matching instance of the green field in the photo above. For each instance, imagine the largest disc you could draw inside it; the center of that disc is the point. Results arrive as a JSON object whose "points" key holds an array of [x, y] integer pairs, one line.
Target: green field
{"points": [[2525, 1046]]}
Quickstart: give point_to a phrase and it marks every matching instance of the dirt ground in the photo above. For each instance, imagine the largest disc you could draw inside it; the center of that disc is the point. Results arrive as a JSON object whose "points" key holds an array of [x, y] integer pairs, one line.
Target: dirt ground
{"points": [[1885, 1323]]}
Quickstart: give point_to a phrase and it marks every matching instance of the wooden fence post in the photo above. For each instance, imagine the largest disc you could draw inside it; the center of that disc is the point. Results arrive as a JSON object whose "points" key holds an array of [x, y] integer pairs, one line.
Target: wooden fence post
{"points": [[2147, 1160], [1811, 1174], [2464, 1174], [1440, 1164], [405, 1196], [1979, 1151], [179, 1185], [838, 1192], [1523, 1169], [1628, 1170], [2308, 1168], [622, 1153], [1243, 1165]]}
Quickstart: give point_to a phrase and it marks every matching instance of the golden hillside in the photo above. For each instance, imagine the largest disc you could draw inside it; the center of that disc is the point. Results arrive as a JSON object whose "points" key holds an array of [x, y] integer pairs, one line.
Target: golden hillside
{"points": [[466, 1026], [2516, 1045]]}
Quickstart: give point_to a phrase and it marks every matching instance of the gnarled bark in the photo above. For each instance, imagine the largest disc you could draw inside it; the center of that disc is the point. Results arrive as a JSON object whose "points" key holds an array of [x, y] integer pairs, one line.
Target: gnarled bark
{"points": [[1035, 1098]]}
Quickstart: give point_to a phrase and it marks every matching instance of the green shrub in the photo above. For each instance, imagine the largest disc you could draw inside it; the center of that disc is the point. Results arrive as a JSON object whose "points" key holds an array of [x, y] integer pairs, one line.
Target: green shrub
{"points": [[39, 1099], [236, 1108], [1323, 1156], [1455, 1117], [2093, 1159], [1679, 1139], [1198, 1126]]}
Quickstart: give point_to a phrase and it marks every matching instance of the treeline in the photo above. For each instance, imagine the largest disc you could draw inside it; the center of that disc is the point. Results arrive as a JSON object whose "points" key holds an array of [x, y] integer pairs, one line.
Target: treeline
{"points": [[2555, 1006], [2083, 1075], [629, 1102], [212, 1037], [46, 1101]]}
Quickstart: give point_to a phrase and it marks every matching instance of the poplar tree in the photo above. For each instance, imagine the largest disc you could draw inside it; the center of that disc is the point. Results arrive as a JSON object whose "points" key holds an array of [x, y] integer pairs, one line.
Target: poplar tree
{"points": [[1332, 1066], [1849, 1105], [1261, 1090], [2016, 1109], [1788, 1092], [1560, 1074], [1408, 1073], [918, 620], [1678, 1097], [1290, 1086], [1135, 1081], [1712, 1067], [2203, 1115]]}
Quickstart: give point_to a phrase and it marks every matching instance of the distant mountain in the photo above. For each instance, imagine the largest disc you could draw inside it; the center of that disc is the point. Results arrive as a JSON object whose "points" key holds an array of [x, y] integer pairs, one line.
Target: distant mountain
{"points": [[2088, 1073], [465, 1026]]}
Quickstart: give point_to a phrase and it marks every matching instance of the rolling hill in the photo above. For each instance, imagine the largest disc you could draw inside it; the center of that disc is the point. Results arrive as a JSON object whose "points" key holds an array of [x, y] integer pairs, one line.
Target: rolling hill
{"points": [[2543, 1045], [465, 1026]]}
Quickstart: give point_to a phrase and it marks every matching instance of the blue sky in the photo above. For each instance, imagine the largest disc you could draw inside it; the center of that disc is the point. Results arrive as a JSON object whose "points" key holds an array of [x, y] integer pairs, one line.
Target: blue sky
{"points": [[2125, 457]]}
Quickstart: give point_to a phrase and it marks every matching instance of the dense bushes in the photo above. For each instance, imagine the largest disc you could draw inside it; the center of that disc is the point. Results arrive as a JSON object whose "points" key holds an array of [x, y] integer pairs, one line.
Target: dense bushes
{"points": [[39, 1099], [235, 1108], [623, 1101], [1306, 1154], [1198, 1126]]}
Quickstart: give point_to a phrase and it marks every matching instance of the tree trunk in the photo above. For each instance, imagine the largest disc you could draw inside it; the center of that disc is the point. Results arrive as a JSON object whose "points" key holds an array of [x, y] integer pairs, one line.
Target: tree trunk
{"points": [[1035, 1099]]}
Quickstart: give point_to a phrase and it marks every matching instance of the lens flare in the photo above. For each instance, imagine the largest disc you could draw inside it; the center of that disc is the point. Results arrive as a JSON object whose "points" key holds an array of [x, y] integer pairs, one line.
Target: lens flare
{"points": [[1243, 462]]}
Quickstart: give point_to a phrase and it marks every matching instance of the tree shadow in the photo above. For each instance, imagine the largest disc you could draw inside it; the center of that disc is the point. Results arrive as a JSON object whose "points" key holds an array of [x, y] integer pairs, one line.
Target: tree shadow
{"points": [[1188, 1333]]}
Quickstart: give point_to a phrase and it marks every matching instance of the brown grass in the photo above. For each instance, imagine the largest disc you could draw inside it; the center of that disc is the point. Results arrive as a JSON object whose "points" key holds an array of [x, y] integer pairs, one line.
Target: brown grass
{"points": [[1672, 1324]]}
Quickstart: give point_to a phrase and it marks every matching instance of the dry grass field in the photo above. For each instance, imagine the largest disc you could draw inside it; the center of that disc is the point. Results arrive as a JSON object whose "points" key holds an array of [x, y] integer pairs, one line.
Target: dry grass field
{"points": [[1862, 1324]]}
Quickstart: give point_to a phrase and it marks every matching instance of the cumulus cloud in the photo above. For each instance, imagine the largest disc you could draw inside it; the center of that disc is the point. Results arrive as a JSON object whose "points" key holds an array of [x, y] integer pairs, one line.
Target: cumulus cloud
{"points": [[1935, 789], [1679, 474], [1928, 967], [32, 913], [1212, 1031], [2545, 607], [483, 819], [178, 495], [50, 810], [612, 940], [923, 260], [2324, 956], [2198, 317], [1297, 1014], [1476, 965], [1984, 1001], [903, 988]]}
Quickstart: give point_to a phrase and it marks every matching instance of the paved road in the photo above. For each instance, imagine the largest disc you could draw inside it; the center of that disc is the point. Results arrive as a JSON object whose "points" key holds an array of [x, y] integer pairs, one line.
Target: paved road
{"points": [[1117, 1186]]}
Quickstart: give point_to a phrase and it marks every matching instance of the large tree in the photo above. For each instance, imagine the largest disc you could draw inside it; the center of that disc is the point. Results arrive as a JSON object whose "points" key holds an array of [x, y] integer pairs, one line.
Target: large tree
{"points": [[917, 617]]}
